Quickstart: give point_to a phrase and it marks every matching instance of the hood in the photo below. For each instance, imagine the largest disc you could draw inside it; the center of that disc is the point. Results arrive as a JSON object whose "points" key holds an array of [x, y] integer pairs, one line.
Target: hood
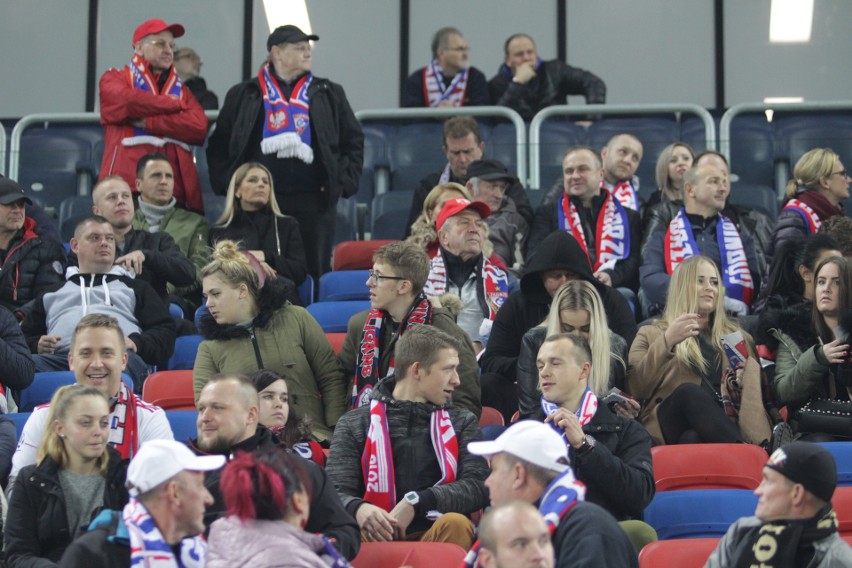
{"points": [[558, 251], [273, 296], [793, 320]]}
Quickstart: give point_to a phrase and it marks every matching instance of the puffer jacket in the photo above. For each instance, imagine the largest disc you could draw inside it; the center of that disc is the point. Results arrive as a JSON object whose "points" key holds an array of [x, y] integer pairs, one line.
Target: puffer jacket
{"points": [[31, 265], [283, 338], [791, 224], [18, 366], [415, 464]]}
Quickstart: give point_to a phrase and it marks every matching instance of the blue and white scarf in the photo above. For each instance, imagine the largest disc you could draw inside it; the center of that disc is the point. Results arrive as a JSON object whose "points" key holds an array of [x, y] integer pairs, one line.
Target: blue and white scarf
{"points": [[148, 548], [141, 79], [434, 92], [287, 124]]}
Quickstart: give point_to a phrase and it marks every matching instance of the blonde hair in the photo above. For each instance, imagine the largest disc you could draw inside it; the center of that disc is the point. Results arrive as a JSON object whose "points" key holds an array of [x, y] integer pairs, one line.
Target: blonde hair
{"points": [[423, 232], [582, 295], [810, 169], [60, 405], [231, 198], [233, 266], [669, 191], [683, 298]]}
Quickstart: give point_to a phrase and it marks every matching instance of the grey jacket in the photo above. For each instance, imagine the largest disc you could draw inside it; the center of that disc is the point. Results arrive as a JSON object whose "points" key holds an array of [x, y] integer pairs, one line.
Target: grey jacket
{"points": [[508, 232]]}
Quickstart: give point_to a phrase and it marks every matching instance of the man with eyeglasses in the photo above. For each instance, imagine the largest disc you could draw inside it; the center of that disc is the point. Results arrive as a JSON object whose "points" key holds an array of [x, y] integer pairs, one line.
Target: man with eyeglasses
{"points": [[397, 302], [449, 80], [145, 108], [188, 66]]}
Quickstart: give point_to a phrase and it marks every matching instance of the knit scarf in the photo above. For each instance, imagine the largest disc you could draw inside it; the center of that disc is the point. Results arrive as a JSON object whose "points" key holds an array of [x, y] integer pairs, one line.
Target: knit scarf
{"points": [[287, 124], [434, 92], [377, 460], [140, 78], [585, 413], [777, 543], [625, 192], [368, 366], [612, 231], [148, 548], [679, 244], [123, 424], [492, 283]]}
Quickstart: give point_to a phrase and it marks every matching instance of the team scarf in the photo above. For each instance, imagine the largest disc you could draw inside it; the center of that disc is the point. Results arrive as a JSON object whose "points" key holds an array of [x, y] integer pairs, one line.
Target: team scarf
{"points": [[612, 231], [434, 92], [585, 413], [377, 460], [812, 220], [368, 366], [679, 244], [287, 124], [148, 548], [140, 78], [777, 543], [492, 283], [625, 191], [123, 423], [560, 497]]}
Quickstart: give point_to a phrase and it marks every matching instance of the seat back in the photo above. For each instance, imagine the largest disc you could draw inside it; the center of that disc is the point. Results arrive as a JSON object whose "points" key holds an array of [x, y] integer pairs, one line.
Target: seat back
{"points": [[413, 554], [336, 341], [842, 503], [555, 138], [355, 255], [414, 152], [20, 419], [42, 388], [683, 553], [306, 290], [698, 513], [389, 214], [183, 424], [491, 417], [708, 466], [760, 197], [344, 285], [752, 150], [333, 317], [186, 348], [170, 390], [842, 452]]}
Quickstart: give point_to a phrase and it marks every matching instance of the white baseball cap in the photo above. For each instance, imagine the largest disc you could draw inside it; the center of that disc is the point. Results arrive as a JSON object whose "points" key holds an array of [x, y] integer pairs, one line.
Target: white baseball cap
{"points": [[160, 460], [530, 440]]}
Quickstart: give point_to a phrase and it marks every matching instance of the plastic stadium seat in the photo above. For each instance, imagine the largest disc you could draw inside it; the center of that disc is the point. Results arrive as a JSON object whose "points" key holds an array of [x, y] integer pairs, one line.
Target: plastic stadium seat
{"points": [[306, 290], [842, 502], [708, 466], [51, 162], [796, 134], [344, 285], [389, 213], [842, 452], [346, 226], [760, 197], [71, 211], [186, 348], [415, 151], [752, 150], [175, 311], [20, 419], [491, 417], [414, 554], [336, 341], [213, 206], [170, 390], [698, 513], [693, 133], [183, 423], [556, 137], [375, 163], [42, 388], [683, 553], [333, 317], [502, 145], [847, 538], [355, 255]]}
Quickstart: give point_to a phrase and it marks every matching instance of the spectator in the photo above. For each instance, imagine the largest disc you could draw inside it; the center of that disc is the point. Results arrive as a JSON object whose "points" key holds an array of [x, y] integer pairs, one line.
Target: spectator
{"points": [[413, 444], [163, 520], [793, 524], [97, 358], [840, 228], [29, 262], [227, 424], [449, 80], [17, 368], [422, 232], [250, 328], [145, 108], [398, 303], [672, 163], [268, 496], [621, 157], [75, 476], [462, 145], [315, 155], [513, 535], [252, 218], [529, 462], [678, 367], [98, 286], [188, 66], [527, 84]]}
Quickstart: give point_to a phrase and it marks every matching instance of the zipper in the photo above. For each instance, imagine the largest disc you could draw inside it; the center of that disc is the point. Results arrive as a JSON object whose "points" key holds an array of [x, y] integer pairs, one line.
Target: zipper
{"points": [[256, 349]]}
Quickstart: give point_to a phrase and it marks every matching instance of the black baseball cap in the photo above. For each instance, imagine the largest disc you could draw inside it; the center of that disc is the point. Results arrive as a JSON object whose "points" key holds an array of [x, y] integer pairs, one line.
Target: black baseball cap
{"points": [[10, 192], [489, 170], [809, 464], [287, 34]]}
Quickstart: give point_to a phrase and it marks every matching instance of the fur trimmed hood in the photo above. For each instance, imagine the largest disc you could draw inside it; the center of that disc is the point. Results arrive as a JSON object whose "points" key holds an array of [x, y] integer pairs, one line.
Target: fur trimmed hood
{"points": [[272, 297], [793, 320]]}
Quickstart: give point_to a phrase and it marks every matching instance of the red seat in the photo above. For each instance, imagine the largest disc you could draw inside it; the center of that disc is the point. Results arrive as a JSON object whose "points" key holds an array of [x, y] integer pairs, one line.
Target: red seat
{"points": [[842, 503], [683, 553], [491, 417], [414, 554], [708, 466], [516, 416], [170, 390], [336, 339], [355, 255]]}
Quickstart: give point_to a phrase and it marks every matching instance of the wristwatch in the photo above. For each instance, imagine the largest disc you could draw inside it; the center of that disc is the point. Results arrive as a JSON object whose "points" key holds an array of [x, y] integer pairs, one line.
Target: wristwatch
{"points": [[412, 498], [587, 446]]}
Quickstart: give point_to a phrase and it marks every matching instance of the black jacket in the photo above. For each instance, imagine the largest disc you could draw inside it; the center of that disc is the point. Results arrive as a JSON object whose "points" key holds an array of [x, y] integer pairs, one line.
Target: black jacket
{"points": [[327, 514], [37, 526], [553, 82], [16, 361], [529, 306], [205, 97], [30, 264], [476, 94], [588, 537], [334, 129]]}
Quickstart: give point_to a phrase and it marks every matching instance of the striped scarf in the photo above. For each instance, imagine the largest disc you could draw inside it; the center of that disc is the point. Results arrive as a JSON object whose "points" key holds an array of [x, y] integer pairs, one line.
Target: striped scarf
{"points": [[612, 231], [492, 283], [434, 92], [810, 216], [625, 191], [287, 124], [585, 413], [148, 548], [140, 78]]}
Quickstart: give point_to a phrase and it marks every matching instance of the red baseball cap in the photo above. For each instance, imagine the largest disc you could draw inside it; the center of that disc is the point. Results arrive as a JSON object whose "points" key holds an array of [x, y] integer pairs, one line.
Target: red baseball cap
{"points": [[155, 27], [456, 206]]}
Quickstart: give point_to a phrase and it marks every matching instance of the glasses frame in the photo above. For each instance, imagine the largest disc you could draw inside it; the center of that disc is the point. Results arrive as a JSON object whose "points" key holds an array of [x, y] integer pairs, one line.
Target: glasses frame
{"points": [[375, 278]]}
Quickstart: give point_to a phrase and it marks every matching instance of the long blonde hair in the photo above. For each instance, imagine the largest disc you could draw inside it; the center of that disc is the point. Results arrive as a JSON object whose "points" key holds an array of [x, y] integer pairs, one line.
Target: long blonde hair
{"points": [[669, 191], [582, 295], [231, 198], [54, 446], [810, 169]]}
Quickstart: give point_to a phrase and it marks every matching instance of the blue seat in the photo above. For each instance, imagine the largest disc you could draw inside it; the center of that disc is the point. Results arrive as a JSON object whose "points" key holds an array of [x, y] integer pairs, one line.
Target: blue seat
{"points": [[51, 163], [199, 313], [502, 144], [346, 227], [42, 388], [183, 423], [175, 311], [344, 285], [842, 452], [71, 211], [333, 317], [415, 151], [186, 348], [555, 138], [375, 163], [698, 513], [760, 197], [213, 206], [390, 214], [20, 419], [692, 132], [306, 290], [752, 150], [795, 135]]}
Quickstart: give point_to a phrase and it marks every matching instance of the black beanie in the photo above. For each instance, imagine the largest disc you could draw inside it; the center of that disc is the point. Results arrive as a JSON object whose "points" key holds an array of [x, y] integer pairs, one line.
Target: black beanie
{"points": [[809, 464]]}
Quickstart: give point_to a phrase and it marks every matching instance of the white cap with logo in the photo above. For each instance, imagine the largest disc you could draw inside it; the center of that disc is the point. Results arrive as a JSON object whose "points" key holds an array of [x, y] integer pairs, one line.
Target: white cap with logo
{"points": [[160, 460], [530, 440]]}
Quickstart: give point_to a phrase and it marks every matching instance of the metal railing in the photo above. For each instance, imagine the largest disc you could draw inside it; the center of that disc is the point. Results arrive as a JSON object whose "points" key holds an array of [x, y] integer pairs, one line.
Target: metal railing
{"points": [[583, 110], [2, 150]]}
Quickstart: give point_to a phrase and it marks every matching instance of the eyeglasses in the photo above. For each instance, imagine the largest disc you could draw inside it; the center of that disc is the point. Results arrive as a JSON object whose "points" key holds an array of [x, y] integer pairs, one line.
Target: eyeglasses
{"points": [[160, 43], [374, 277], [841, 173]]}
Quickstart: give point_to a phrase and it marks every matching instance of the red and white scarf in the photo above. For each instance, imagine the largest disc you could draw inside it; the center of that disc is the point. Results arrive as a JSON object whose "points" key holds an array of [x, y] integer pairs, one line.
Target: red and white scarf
{"points": [[140, 78], [434, 92], [368, 366], [812, 220], [492, 283], [123, 423], [286, 124], [612, 231], [377, 460], [625, 191]]}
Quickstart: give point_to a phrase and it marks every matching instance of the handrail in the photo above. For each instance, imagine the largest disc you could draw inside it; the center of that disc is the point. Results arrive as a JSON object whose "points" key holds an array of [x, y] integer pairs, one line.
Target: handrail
{"points": [[565, 110], [504, 112], [2, 150]]}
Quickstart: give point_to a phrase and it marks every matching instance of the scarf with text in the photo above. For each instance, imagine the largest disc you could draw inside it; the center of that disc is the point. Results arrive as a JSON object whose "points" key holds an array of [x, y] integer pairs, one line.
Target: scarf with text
{"points": [[368, 365], [585, 413], [679, 244], [377, 459], [777, 543], [287, 124], [148, 548], [810, 216], [140, 78], [434, 92], [492, 283], [626, 192], [123, 423], [612, 231]]}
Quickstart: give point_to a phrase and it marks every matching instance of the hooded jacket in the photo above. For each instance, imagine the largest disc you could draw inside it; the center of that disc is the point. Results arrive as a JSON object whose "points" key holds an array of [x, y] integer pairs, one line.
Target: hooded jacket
{"points": [[31, 264], [529, 306], [18, 367]]}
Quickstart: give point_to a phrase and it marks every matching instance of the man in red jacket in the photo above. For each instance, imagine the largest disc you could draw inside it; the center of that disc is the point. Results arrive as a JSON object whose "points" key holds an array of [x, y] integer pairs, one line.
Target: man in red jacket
{"points": [[145, 108]]}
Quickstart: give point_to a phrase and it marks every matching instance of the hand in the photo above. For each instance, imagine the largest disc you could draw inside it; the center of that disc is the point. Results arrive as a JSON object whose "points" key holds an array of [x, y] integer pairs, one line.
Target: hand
{"points": [[446, 104], [683, 327], [268, 270], [47, 343], [835, 352], [525, 72], [629, 409], [132, 261], [376, 524], [129, 344], [258, 254], [568, 422], [404, 514], [604, 277]]}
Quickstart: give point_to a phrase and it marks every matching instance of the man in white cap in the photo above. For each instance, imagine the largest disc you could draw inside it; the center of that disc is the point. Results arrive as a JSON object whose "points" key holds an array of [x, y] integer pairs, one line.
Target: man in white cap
{"points": [[529, 462], [164, 518]]}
